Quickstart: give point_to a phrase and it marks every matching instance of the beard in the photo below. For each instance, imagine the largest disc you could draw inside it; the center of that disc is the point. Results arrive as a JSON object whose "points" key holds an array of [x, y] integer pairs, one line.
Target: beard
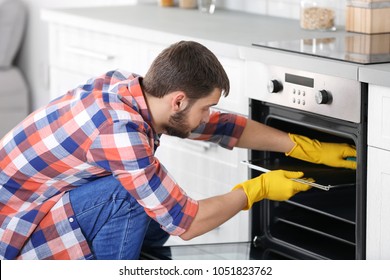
{"points": [[178, 125]]}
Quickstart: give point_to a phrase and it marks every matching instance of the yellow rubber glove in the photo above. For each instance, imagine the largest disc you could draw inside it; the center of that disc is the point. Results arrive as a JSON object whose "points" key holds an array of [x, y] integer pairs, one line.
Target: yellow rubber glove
{"points": [[331, 154], [273, 185]]}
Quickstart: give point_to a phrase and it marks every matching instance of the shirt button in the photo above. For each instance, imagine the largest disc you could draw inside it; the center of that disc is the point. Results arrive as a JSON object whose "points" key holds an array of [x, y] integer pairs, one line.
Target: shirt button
{"points": [[71, 220]]}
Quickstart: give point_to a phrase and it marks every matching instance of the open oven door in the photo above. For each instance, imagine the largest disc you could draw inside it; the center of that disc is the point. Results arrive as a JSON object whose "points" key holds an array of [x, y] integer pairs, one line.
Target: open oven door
{"points": [[321, 223]]}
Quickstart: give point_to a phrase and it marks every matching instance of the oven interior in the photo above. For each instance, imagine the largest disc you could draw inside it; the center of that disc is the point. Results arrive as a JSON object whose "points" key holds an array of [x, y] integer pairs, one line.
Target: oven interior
{"points": [[315, 224]]}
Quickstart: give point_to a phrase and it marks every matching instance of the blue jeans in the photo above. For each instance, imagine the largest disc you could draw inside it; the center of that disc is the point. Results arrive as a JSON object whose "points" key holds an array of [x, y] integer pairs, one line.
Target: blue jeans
{"points": [[112, 221]]}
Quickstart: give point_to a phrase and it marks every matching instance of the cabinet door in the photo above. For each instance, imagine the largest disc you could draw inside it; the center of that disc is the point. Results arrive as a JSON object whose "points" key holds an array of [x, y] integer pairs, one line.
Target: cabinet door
{"points": [[236, 101], [203, 170], [379, 117], [86, 51], [378, 204]]}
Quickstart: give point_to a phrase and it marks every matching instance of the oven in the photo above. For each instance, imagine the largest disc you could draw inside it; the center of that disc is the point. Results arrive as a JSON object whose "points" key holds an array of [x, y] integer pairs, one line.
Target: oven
{"points": [[321, 223], [325, 222]]}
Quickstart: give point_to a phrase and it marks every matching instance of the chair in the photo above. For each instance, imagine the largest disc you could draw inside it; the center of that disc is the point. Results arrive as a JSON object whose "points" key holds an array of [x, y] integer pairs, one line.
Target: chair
{"points": [[14, 101]]}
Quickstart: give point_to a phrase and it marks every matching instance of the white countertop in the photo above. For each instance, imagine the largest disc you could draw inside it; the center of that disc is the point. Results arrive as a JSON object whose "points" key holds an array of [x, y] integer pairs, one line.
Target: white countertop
{"points": [[377, 74], [227, 32]]}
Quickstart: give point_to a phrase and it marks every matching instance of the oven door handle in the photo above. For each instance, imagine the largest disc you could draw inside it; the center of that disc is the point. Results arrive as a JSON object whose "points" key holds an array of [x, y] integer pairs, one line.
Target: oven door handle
{"points": [[265, 170]]}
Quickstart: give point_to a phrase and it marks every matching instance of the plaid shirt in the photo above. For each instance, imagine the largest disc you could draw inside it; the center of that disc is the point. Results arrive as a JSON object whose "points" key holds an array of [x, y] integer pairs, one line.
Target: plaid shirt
{"points": [[100, 128]]}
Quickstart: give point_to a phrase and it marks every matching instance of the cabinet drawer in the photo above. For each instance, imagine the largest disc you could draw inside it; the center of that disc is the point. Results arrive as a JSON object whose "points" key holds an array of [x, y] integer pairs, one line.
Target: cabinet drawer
{"points": [[236, 101], [61, 81], [85, 51], [379, 117]]}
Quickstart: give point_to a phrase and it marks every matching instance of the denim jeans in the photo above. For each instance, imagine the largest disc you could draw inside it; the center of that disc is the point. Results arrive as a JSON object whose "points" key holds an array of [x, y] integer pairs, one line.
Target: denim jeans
{"points": [[112, 221]]}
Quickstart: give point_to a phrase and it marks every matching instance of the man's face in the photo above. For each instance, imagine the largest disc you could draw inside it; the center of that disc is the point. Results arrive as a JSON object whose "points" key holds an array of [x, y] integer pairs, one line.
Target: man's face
{"points": [[182, 123]]}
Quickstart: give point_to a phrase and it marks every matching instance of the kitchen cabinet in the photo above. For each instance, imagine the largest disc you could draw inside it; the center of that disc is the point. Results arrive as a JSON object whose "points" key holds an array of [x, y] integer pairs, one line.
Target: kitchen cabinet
{"points": [[77, 53], [204, 169], [378, 173]]}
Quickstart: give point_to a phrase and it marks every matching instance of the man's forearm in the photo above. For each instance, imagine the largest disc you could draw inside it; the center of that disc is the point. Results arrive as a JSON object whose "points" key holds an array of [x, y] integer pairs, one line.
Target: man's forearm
{"points": [[257, 136], [214, 211]]}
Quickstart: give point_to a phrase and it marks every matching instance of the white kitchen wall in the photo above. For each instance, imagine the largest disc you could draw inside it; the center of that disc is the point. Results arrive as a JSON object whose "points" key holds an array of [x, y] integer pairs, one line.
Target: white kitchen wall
{"points": [[33, 59], [278, 8]]}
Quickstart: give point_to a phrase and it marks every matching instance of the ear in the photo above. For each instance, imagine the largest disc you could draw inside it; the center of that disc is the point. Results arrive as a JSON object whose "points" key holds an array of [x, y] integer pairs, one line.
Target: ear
{"points": [[179, 101]]}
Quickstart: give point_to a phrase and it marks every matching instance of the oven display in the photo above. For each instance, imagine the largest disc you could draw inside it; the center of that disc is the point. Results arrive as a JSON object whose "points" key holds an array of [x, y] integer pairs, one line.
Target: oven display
{"points": [[299, 80]]}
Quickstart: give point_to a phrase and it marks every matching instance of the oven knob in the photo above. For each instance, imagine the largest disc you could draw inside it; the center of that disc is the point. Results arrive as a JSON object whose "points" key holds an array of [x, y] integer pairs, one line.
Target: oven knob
{"points": [[274, 86], [323, 97]]}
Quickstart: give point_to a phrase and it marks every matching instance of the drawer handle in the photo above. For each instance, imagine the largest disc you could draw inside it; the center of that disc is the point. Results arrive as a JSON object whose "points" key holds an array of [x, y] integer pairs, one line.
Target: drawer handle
{"points": [[88, 53], [205, 146]]}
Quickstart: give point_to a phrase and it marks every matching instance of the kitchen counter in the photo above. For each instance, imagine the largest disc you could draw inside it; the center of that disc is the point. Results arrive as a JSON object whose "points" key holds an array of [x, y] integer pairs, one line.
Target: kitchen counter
{"points": [[229, 33], [377, 74], [228, 27]]}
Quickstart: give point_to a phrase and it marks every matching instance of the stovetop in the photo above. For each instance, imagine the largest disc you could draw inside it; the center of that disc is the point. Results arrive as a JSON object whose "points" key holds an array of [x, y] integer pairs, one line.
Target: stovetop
{"points": [[355, 48]]}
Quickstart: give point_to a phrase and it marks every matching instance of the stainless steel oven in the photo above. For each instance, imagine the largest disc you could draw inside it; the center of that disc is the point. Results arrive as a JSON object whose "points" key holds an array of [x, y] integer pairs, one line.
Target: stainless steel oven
{"points": [[317, 224]]}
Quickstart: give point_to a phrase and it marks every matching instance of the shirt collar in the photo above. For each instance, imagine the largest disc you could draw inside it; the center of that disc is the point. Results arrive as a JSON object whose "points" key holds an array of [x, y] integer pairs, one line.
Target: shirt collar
{"points": [[137, 95]]}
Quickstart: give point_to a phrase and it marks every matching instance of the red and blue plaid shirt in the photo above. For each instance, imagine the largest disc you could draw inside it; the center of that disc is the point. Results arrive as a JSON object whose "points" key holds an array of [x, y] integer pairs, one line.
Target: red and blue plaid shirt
{"points": [[100, 128]]}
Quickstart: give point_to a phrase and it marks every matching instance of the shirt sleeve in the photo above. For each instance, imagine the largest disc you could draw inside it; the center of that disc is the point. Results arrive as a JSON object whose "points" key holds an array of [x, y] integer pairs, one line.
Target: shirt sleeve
{"points": [[124, 149], [223, 128]]}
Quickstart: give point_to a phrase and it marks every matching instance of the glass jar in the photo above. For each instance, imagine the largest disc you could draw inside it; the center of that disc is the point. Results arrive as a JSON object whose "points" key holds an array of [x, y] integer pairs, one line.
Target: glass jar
{"points": [[318, 15], [206, 6], [166, 3], [188, 4]]}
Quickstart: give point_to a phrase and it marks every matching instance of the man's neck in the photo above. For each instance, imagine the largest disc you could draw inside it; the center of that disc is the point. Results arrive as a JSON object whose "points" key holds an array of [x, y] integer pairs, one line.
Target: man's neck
{"points": [[158, 111]]}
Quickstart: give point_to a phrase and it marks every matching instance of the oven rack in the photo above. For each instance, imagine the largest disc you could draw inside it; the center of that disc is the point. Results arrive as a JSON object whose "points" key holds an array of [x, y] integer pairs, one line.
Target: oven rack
{"points": [[324, 177], [325, 217], [306, 219], [302, 243]]}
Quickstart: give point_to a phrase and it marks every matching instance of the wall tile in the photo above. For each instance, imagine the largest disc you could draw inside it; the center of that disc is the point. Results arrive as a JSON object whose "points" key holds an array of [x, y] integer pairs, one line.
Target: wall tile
{"points": [[280, 8]]}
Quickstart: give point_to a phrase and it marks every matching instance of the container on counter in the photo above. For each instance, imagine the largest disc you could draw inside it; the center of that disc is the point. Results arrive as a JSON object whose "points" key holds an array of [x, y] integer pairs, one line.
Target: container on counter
{"points": [[166, 3], [188, 4], [368, 16], [206, 6], [318, 15]]}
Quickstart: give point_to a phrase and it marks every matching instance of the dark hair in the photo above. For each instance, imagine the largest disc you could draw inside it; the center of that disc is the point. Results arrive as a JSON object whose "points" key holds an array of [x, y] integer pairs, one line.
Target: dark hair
{"points": [[186, 66]]}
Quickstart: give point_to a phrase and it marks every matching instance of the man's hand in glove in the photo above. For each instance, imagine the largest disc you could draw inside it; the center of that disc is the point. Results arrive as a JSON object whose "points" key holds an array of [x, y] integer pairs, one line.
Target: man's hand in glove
{"points": [[273, 185], [331, 154]]}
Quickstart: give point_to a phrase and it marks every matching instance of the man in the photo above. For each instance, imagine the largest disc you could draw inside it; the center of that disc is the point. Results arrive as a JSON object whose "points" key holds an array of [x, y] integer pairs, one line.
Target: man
{"points": [[79, 179]]}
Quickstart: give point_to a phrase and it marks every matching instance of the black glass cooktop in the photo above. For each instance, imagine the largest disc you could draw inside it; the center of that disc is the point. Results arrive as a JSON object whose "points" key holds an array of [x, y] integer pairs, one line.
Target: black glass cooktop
{"points": [[355, 48]]}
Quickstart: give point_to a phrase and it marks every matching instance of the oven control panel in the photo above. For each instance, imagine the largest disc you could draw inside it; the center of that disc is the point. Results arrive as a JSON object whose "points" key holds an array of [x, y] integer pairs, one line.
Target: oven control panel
{"points": [[312, 92]]}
